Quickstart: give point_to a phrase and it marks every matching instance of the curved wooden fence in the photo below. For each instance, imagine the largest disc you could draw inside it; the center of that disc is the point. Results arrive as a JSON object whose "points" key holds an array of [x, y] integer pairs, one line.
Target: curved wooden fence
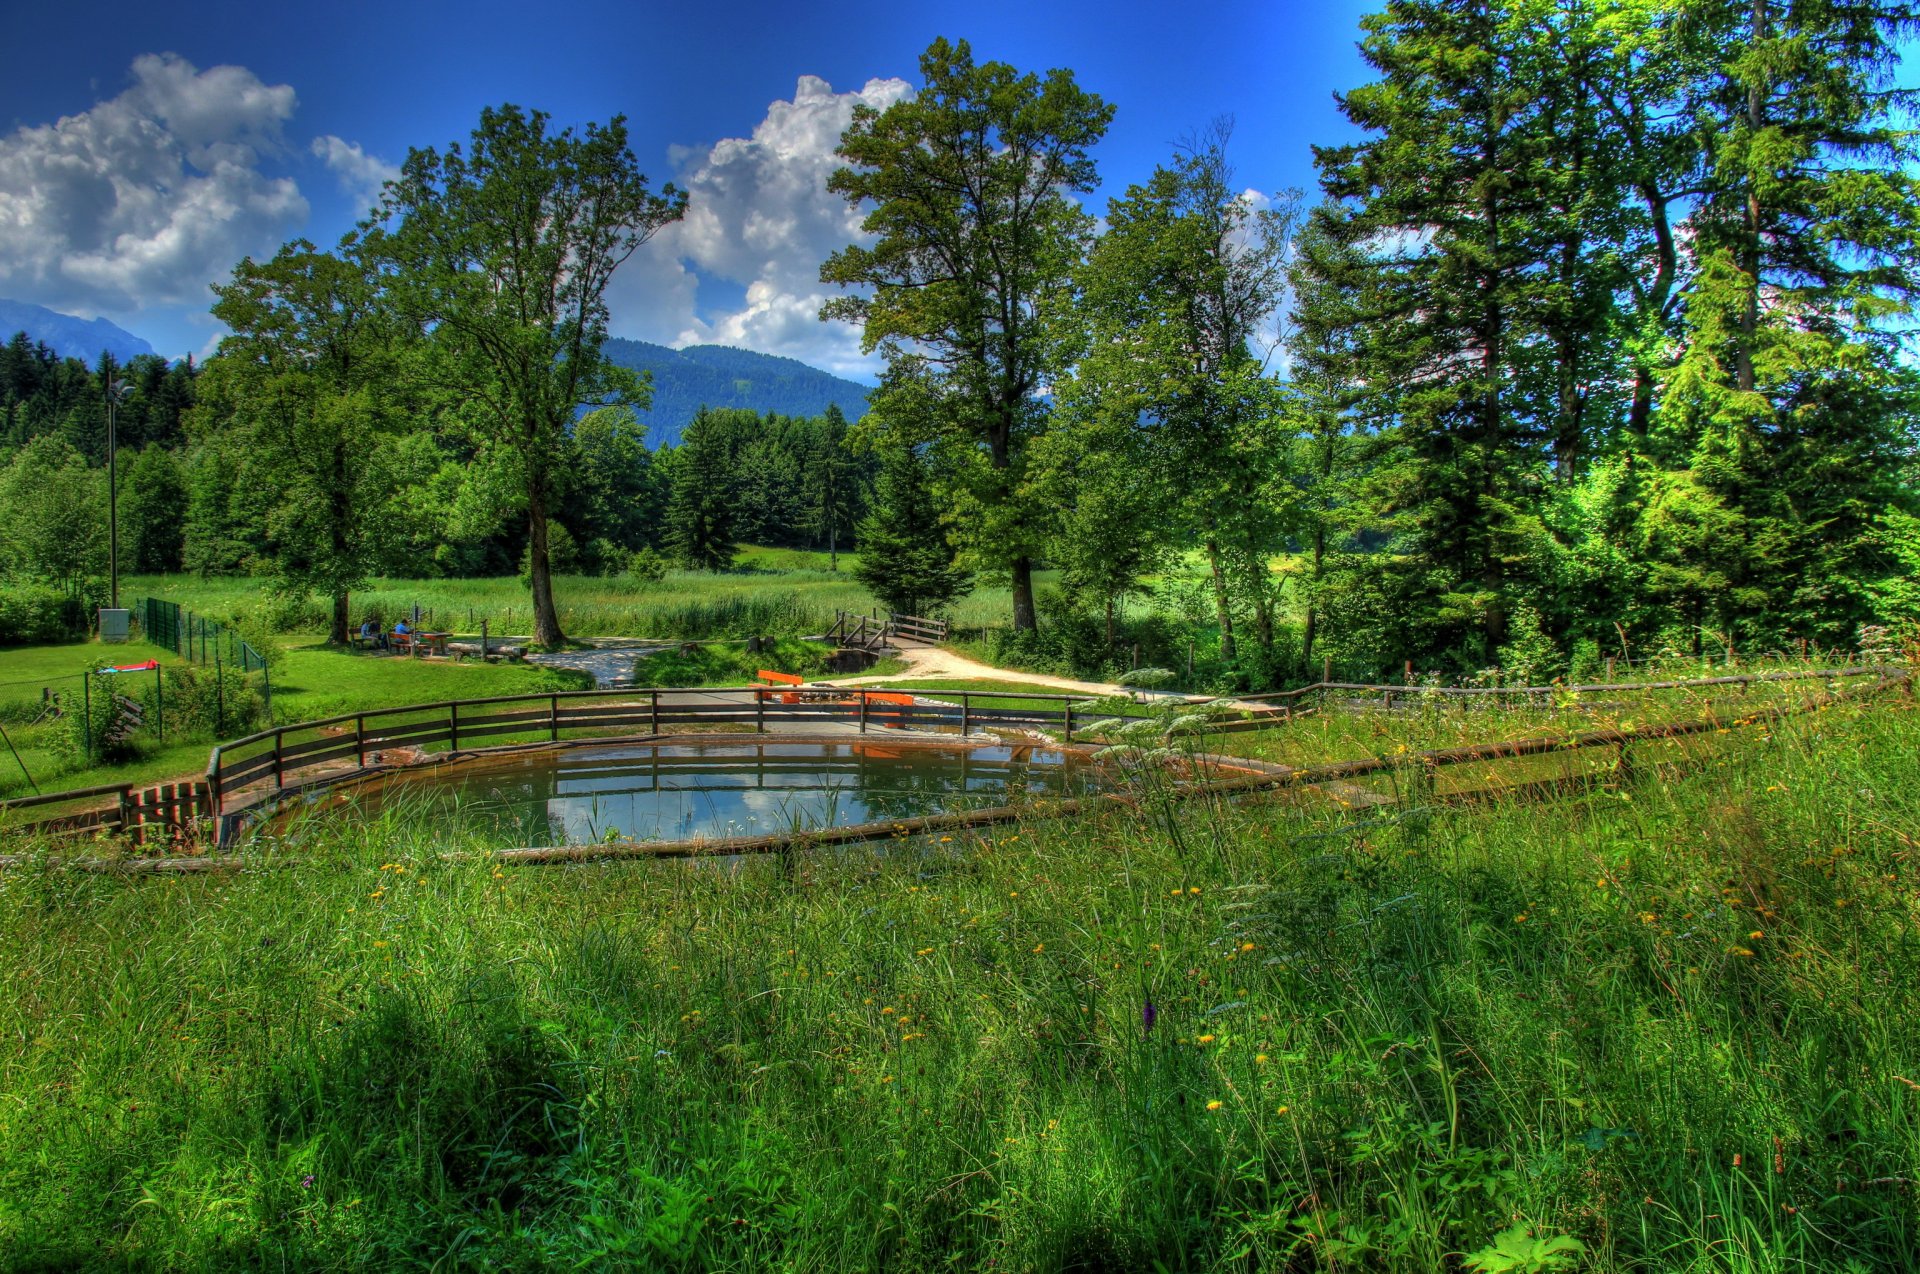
{"points": [[246, 771], [273, 760]]}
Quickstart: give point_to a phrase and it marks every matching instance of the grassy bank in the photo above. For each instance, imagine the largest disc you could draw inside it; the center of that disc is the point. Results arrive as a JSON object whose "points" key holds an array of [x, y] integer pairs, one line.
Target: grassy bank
{"points": [[1669, 1022]]}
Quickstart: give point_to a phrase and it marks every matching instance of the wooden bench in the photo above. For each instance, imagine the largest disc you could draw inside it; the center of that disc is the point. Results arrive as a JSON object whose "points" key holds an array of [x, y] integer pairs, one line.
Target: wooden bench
{"points": [[889, 720], [780, 685]]}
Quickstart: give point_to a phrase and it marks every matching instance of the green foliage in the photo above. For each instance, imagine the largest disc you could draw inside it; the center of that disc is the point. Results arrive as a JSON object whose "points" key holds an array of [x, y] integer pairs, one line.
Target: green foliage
{"points": [[500, 254], [702, 512], [53, 516], [905, 558], [967, 184], [153, 511], [34, 614]]}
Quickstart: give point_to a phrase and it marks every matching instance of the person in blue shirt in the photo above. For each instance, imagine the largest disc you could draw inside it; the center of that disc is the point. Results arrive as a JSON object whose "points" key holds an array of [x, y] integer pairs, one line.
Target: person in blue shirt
{"points": [[400, 628], [371, 634]]}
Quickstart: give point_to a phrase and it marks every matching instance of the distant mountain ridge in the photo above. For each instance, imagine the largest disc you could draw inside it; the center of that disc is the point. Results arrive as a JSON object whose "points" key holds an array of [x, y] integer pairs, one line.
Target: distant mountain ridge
{"points": [[67, 336], [685, 380]]}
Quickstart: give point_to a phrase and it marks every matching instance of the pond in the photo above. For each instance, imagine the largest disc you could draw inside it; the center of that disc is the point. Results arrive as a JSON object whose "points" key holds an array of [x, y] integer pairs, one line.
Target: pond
{"points": [[737, 787]]}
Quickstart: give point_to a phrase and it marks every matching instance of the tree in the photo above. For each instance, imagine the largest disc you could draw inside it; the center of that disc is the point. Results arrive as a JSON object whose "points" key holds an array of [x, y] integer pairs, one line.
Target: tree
{"points": [[833, 484], [618, 492], [312, 354], [701, 510], [966, 185], [1176, 297], [53, 516], [153, 511], [502, 253], [905, 559]]}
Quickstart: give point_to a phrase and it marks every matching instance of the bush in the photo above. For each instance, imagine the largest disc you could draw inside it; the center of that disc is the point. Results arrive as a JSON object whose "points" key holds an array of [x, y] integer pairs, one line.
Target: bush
{"points": [[97, 728], [38, 614], [203, 702]]}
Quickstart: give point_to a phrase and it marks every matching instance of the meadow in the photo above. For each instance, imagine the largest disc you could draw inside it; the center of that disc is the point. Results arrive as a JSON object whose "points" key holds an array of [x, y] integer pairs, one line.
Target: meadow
{"points": [[1663, 1023]]}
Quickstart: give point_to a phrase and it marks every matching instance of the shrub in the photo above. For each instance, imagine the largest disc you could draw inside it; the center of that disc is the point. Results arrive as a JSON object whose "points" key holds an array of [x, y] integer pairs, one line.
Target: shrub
{"points": [[98, 726], [205, 702], [36, 614]]}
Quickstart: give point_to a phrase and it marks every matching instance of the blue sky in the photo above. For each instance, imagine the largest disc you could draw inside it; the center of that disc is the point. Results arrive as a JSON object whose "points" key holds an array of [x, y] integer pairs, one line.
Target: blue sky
{"points": [[144, 149]]}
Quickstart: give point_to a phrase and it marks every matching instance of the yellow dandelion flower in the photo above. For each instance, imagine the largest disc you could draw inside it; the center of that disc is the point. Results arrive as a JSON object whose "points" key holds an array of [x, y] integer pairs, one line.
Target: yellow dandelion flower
{"points": [[1204, 1039], [1260, 1059], [1038, 947], [1215, 1104], [1246, 946], [887, 1009], [924, 951], [1280, 1110]]}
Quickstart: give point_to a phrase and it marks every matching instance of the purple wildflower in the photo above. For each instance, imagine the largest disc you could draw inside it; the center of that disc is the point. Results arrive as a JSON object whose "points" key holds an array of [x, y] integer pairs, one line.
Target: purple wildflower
{"points": [[306, 1182], [1147, 1014]]}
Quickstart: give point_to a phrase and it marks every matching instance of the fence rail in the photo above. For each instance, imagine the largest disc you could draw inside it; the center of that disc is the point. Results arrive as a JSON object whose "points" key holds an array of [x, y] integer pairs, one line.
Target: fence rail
{"points": [[245, 771], [933, 630], [166, 812]]}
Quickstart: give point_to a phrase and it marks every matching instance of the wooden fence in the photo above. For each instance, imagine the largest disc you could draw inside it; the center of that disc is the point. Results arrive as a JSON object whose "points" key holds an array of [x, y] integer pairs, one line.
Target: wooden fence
{"points": [[163, 814], [248, 771]]}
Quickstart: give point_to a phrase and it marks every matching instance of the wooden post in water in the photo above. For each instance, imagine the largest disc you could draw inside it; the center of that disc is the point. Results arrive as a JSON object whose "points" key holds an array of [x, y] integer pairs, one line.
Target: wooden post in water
{"points": [[553, 718], [863, 712], [966, 719]]}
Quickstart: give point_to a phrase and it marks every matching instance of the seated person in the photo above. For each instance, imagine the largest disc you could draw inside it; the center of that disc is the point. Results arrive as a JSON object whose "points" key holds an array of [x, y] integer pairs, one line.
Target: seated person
{"points": [[400, 629], [373, 635]]}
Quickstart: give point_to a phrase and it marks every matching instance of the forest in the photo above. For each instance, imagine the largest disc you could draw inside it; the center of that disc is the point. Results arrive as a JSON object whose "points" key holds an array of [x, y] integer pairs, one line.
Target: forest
{"points": [[1594, 344]]}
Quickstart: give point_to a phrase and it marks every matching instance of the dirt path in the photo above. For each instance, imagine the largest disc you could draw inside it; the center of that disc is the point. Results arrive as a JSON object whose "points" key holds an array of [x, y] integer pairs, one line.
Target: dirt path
{"points": [[936, 661]]}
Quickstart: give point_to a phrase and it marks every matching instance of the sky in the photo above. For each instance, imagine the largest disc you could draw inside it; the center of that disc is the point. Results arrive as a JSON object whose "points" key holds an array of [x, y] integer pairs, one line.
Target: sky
{"points": [[145, 149]]}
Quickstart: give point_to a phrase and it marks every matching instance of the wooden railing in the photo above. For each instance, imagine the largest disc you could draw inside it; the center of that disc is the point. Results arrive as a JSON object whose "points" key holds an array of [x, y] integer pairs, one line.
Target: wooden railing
{"points": [[931, 630], [859, 631], [262, 764], [164, 812]]}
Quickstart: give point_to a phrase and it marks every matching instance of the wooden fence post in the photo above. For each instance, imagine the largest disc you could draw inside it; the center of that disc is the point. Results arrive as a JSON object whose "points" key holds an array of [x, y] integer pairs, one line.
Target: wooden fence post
{"points": [[654, 707], [759, 712], [966, 715], [1068, 708], [453, 727], [360, 741], [863, 712], [553, 718], [279, 761]]}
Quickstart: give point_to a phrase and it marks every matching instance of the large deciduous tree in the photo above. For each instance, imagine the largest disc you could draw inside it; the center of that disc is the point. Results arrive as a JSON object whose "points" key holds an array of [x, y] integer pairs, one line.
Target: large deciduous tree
{"points": [[966, 186], [313, 359], [502, 251]]}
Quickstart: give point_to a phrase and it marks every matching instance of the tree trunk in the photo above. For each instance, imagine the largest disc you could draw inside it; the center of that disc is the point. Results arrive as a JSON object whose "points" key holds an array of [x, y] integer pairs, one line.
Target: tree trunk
{"points": [[1109, 623], [1228, 651], [546, 620], [1024, 618], [337, 633], [833, 545]]}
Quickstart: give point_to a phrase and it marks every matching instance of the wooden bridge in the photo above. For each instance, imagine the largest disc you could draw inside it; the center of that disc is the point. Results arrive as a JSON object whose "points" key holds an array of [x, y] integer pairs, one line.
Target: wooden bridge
{"points": [[872, 633]]}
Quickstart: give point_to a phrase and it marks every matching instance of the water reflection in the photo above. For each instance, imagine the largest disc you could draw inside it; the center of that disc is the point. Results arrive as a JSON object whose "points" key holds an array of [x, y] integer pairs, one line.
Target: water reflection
{"points": [[737, 788]]}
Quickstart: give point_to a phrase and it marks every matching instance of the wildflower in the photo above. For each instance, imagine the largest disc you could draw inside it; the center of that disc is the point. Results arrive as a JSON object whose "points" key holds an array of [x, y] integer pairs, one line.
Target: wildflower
{"points": [[306, 1182], [1246, 946], [1260, 1059], [1756, 935], [1194, 890], [1013, 893], [1204, 1039], [924, 951], [1039, 947], [1147, 1014], [887, 1009], [1215, 1104], [1520, 919], [1280, 1110]]}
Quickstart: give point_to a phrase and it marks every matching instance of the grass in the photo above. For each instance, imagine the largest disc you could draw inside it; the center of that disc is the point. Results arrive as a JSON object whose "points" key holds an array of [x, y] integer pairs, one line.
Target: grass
{"points": [[313, 681], [1668, 1021]]}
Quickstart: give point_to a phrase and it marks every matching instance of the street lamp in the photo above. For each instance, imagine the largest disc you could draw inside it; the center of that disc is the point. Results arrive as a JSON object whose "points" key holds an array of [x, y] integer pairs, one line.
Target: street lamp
{"points": [[117, 390]]}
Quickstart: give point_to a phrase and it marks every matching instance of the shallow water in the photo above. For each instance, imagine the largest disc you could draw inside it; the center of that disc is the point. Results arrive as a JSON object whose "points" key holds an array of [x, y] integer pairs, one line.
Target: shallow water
{"points": [[733, 788]]}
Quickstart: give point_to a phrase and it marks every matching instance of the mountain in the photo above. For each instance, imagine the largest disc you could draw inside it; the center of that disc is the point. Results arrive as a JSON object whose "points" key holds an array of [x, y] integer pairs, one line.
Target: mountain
{"points": [[685, 380], [68, 336]]}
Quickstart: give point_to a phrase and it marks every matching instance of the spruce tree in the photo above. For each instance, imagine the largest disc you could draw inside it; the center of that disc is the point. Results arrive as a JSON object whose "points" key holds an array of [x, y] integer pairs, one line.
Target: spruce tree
{"points": [[905, 558]]}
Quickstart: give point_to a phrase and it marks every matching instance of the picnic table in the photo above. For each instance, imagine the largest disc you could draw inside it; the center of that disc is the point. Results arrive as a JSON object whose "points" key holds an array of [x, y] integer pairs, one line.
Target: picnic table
{"points": [[435, 643]]}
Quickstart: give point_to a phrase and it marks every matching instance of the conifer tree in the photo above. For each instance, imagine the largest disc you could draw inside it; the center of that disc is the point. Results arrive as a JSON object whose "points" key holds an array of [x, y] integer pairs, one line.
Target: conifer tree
{"points": [[905, 558]]}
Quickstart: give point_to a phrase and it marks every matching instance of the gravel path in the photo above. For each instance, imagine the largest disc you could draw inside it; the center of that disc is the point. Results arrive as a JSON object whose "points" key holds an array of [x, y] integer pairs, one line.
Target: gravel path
{"points": [[608, 665]]}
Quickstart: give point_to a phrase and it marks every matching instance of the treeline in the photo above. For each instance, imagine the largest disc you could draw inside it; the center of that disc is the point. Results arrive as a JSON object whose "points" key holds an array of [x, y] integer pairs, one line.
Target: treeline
{"points": [[1592, 344], [203, 484]]}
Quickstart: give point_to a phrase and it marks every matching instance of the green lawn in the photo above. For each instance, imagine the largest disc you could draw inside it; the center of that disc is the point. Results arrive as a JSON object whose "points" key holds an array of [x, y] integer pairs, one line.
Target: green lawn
{"points": [[1665, 1024], [313, 681]]}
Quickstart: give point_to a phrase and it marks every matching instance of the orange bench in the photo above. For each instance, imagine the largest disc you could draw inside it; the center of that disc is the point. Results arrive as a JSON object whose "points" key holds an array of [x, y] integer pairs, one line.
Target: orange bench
{"points": [[773, 679], [891, 720]]}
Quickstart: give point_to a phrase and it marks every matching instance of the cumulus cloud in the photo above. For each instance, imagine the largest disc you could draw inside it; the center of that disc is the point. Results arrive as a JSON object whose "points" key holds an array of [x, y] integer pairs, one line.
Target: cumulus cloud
{"points": [[361, 175], [759, 217], [150, 196]]}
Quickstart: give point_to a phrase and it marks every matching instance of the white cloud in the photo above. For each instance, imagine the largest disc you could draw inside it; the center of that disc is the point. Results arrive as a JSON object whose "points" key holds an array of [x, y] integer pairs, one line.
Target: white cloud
{"points": [[759, 216], [361, 175], [150, 196]]}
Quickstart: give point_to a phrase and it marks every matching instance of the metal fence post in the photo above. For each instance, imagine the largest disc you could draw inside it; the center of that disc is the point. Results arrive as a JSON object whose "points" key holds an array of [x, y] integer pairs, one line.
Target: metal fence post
{"points": [[159, 703], [86, 715]]}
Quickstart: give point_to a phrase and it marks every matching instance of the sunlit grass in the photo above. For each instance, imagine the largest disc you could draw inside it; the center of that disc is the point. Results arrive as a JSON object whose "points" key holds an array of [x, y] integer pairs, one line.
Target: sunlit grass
{"points": [[1669, 1018]]}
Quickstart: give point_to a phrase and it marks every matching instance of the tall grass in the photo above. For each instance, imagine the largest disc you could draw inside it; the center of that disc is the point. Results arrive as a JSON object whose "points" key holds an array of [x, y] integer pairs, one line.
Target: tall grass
{"points": [[1669, 1021]]}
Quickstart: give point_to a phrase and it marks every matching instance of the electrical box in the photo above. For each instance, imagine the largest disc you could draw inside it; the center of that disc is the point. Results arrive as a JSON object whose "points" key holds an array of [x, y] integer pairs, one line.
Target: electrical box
{"points": [[115, 624]]}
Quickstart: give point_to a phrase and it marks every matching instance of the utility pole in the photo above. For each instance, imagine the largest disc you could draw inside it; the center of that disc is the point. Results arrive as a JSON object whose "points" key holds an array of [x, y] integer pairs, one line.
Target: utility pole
{"points": [[116, 390]]}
